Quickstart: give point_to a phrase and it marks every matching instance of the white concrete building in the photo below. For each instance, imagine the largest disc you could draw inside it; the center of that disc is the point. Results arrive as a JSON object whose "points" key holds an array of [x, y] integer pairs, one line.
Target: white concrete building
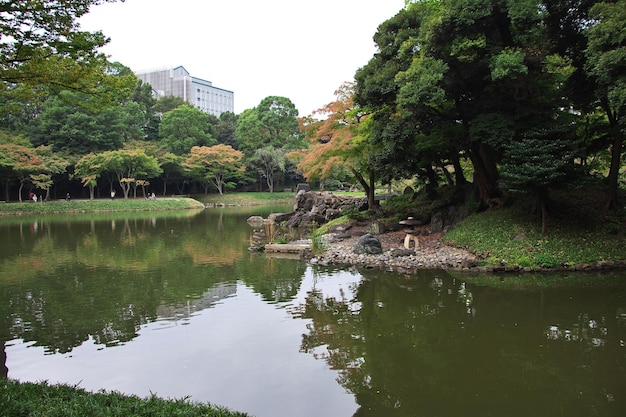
{"points": [[177, 82]]}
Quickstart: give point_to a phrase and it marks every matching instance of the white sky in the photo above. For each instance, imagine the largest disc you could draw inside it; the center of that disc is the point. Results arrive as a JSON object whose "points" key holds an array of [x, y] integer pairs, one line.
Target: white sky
{"points": [[303, 50]]}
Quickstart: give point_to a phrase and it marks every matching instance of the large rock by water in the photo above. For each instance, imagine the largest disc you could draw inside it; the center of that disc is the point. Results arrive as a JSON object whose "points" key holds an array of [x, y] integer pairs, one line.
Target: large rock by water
{"points": [[319, 208], [368, 244]]}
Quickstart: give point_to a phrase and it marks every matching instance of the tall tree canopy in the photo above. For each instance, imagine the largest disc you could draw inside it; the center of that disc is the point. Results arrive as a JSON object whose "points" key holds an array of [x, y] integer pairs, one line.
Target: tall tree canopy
{"points": [[472, 79], [41, 45], [218, 165], [607, 65], [272, 123], [185, 127]]}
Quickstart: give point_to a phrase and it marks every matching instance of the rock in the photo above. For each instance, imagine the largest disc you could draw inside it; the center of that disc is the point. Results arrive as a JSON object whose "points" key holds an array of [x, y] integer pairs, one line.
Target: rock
{"points": [[320, 207], [278, 218], [368, 244], [303, 186], [397, 252], [255, 221]]}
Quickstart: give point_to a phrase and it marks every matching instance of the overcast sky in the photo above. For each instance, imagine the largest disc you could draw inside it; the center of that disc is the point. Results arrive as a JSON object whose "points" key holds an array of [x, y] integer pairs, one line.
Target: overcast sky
{"points": [[303, 50]]}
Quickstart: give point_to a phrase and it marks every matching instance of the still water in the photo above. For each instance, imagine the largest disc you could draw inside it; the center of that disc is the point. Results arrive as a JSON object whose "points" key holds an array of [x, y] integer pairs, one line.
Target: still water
{"points": [[174, 304]]}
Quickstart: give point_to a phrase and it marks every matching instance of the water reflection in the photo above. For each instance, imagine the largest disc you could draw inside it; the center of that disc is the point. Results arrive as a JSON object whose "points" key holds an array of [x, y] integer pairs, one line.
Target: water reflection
{"points": [[433, 345], [66, 281]]}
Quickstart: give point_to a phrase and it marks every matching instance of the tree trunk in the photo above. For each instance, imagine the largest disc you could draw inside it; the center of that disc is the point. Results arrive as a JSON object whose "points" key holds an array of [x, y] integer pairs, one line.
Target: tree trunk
{"points": [[485, 172], [19, 192], [369, 187], [616, 162], [165, 178], [458, 171], [6, 190], [270, 182]]}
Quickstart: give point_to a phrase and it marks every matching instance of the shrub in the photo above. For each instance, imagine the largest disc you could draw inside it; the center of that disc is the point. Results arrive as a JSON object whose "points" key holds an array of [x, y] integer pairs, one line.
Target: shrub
{"points": [[545, 260]]}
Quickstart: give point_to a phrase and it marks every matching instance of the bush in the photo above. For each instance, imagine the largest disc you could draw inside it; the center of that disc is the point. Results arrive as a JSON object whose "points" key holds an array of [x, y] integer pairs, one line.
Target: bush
{"points": [[353, 213], [545, 260]]}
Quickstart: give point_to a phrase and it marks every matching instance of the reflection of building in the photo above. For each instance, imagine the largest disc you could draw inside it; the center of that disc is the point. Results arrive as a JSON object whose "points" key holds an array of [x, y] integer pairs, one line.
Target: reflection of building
{"points": [[207, 300], [177, 82]]}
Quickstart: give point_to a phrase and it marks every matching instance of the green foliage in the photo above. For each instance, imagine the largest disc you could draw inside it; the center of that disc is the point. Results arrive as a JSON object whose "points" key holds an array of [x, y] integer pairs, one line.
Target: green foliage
{"points": [[272, 123], [324, 229], [185, 127], [508, 63], [70, 128], [267, 161], [43, 50], [545, 260], [400, 204], [28, 399], [353, 213], [508, 236]]}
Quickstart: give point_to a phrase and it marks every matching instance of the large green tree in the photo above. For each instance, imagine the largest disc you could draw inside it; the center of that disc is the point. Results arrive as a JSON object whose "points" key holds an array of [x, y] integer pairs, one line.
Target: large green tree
{"points": [[77, 130], [272, 123], [129, 166], [463, 78], [268, 161], [185, 127], [606, 64], [42, 49]]}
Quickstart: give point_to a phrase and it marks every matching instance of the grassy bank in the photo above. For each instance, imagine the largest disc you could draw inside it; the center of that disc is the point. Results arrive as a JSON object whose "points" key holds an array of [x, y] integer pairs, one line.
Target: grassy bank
{"points": [[27, 400], [246, 199], [79, 206], [510, 237]]}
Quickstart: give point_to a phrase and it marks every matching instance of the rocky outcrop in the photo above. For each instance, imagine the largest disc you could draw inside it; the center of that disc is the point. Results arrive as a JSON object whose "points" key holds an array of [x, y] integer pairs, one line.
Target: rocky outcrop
{"points": [[318, 207]]}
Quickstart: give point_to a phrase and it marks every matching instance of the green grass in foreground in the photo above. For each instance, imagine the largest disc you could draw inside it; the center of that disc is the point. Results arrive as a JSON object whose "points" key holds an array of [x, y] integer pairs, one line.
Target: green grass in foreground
{"points": [[30, 400], [78, 206], [504, 236]]}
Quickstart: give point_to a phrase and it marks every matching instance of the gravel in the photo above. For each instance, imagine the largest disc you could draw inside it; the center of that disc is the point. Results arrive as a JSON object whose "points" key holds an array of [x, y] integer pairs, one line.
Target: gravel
{"points": [[431, 254]]}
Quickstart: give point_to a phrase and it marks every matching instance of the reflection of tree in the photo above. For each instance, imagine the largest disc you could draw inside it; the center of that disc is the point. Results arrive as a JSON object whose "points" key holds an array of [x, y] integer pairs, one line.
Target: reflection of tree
{"points": [[276, 279], [431, 345], [71, 281]]}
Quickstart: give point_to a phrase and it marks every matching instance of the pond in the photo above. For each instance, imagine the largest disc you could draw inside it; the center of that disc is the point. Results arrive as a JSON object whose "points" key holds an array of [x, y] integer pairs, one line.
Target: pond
{"points": [[174, 304]]}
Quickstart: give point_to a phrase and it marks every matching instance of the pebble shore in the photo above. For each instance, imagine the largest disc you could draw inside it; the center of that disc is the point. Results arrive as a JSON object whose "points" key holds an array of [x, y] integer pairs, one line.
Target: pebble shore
{"points": [[429, 255]]}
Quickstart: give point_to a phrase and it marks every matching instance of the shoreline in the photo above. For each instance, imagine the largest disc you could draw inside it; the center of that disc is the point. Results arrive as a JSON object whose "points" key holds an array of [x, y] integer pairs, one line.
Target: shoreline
{"points": [[431, 254]]}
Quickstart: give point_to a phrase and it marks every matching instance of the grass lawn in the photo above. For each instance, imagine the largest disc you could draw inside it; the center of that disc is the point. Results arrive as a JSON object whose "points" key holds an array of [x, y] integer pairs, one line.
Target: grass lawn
{"points": [[28, 399], [247, 199], [101, 205]]}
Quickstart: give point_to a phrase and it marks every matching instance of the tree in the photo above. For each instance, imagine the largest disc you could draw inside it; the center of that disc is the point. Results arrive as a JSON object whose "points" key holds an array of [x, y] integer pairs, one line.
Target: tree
{"points": [[462, 78], [217, 165], [171, 165], [88, 169], [541, 159], [167, 103], [53, 164], [340, 142], [268, 161], [17, 162], [225, 129], [130, 165], [273, 122], [183, 128], [607, 65], [73, 129], [43, 46]]}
